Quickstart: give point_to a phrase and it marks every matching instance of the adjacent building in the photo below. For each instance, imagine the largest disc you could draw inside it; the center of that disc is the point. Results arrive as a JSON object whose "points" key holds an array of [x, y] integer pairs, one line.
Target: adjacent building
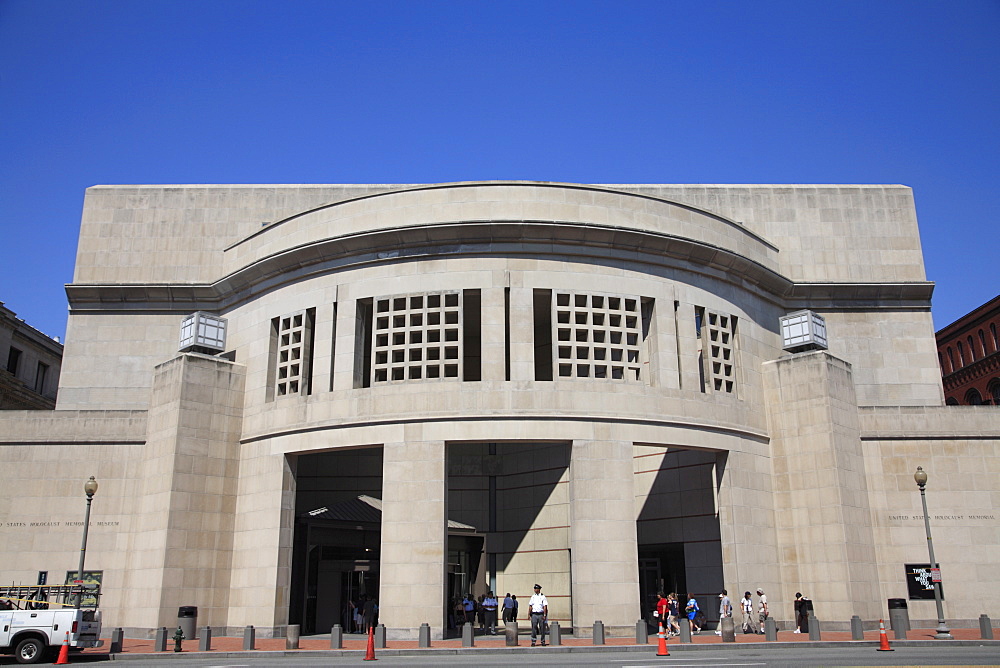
{"points": [[969, 354], [296, 395], [30, 378]]}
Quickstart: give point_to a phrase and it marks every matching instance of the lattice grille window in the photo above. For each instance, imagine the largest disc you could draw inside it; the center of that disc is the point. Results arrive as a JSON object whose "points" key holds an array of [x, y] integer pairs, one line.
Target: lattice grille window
{"points": [[718, 334], [293, 353], [417, 337], [598, 336]]}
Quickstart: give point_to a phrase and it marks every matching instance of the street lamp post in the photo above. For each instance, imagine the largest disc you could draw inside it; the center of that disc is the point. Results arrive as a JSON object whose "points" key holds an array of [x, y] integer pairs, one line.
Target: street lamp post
{"points": [[90, 489], [943, 632]]}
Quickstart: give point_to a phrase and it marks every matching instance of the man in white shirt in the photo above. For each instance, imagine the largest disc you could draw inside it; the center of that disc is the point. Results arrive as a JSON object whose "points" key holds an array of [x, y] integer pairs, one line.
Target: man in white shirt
{"points": [[538, 607]]}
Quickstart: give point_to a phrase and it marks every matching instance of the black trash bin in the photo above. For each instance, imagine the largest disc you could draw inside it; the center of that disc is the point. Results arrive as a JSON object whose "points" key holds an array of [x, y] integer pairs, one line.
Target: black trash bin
{"points": [[187, 619], [899, 614]]}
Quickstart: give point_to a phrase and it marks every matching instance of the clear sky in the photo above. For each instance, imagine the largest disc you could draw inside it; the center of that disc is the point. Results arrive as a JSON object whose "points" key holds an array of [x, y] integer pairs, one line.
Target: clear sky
{"points": [[294, 91]]}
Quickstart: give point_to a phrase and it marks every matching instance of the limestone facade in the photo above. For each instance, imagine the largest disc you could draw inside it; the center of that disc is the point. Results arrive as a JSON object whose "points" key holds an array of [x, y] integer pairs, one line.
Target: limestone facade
{"points": [[590, 375]]}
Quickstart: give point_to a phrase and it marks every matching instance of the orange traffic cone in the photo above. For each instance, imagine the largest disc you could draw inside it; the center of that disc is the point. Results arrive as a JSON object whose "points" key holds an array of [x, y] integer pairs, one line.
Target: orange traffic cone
{"points": [[883, 639], [63, 652], [661, 644], [370, 654]]}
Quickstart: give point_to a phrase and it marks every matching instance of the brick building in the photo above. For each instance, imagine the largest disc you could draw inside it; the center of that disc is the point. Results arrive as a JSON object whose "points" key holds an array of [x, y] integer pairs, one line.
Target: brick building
{"points": [[969, 353]]}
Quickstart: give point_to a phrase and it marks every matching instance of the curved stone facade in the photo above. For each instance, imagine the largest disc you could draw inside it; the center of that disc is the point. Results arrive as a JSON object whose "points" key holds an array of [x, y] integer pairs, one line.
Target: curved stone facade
{"points": [[590, 376]]}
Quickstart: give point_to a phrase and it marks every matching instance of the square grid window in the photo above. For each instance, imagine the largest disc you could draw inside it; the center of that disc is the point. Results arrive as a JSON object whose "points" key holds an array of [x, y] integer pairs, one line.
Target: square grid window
{"points": [[597, 336], [719, 342], [417, 337], [292, 367]]}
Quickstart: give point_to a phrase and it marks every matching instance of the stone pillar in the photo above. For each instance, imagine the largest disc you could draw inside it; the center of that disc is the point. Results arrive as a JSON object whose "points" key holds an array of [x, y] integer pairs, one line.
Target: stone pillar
{"points": [[605, 573], [493, 334], [822, 512], [179, 553], [522, 333], [414, 538]]}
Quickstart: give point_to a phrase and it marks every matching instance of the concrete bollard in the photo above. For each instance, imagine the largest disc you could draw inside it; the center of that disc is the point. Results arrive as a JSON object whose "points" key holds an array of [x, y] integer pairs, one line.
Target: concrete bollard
{"points": [[380, 636], [292, 636], [814, 631], [555, 634], [641, 632], [770, 629], [728, 627], [685, 624], [857, 628], [424, 635], [468, 635], [337, 637], [205, 639], [117, 639], [249, 639], [899, 620], [598, 632], [510, 634], [160, 643], [985, 628]]}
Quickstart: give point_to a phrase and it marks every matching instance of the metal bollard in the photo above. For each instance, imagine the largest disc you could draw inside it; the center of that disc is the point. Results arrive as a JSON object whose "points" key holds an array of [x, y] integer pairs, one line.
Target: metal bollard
{"points": [[424, 635], [510, 634], [117, 638], [770, 629], [985, 628], [249, 639], [641, 632], [380, 636], [728, 628], [555, 634], [598, 632], [685, 629], [468, 635], [205, 639], [337, 637], [814, 633], [292, 636], [160, 644], [857, 628]]}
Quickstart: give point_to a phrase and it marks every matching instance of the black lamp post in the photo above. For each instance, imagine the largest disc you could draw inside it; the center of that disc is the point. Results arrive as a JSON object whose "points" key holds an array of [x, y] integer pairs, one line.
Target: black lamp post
{"points": [[90, 489], [943, 632]]}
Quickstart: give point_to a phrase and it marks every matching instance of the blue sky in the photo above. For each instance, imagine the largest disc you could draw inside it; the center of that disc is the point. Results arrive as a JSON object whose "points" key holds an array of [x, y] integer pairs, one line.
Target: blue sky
{"points": [[149, 91]]}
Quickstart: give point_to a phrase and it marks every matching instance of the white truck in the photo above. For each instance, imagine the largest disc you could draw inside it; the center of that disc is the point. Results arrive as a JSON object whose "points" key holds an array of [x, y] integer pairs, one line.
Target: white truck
{"points": [[35, 620]]}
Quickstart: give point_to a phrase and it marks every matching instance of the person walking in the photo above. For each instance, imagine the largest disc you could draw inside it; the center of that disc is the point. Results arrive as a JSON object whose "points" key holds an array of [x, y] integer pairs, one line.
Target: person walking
{"points": [[490, 612], [762, 611], [662, 610], [513, 615], [508, 608], [725, 610], [469, 605], [692, 610], [673, 612], [538, 608], [746, 605]]}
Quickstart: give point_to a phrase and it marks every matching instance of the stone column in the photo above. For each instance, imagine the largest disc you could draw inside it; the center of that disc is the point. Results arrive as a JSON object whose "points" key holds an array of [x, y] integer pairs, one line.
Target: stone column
{"points": [[414, 538], [822, 512], [605, 571], [494, 336]]}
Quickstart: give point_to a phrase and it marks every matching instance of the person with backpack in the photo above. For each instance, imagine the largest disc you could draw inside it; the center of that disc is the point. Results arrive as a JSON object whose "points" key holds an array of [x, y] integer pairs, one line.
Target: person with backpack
{"points": [[692, 610]]}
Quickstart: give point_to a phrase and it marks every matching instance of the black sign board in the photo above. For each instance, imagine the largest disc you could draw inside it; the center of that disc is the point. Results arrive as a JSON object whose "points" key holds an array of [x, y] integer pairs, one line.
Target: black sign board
{"points": [[921, 580]]}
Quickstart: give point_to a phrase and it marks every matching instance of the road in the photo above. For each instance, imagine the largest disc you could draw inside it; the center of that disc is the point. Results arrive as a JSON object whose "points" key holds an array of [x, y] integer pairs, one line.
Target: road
{"points": [[792, 657]]}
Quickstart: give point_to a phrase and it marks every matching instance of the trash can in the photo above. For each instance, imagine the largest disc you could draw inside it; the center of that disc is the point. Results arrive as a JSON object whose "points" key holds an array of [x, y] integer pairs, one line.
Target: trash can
{"points": [[187, 619], [899, 614]]}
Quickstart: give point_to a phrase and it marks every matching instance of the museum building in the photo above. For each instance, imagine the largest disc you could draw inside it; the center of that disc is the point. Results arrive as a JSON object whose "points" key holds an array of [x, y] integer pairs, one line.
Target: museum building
{"points": [[293, 396]]}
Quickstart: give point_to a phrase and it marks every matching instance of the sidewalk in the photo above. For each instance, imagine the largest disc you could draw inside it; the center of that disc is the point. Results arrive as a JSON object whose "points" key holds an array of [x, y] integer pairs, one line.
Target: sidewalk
{"points": [[357, 644]]}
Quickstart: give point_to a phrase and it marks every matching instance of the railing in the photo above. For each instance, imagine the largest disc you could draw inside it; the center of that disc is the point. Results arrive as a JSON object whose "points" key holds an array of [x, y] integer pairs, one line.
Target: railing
{"points": [[41, 597]]}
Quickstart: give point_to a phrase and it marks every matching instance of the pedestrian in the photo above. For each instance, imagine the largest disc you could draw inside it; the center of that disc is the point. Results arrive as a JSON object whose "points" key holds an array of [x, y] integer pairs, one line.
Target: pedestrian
{"points": [[692, 610], [538, 608], [762, 611], [673, 612], [725, 610], [513, 615], [469, 604], [508, 608], [370, 612], [801, 613], [490, 613], [662, 610], [746, 605]]}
